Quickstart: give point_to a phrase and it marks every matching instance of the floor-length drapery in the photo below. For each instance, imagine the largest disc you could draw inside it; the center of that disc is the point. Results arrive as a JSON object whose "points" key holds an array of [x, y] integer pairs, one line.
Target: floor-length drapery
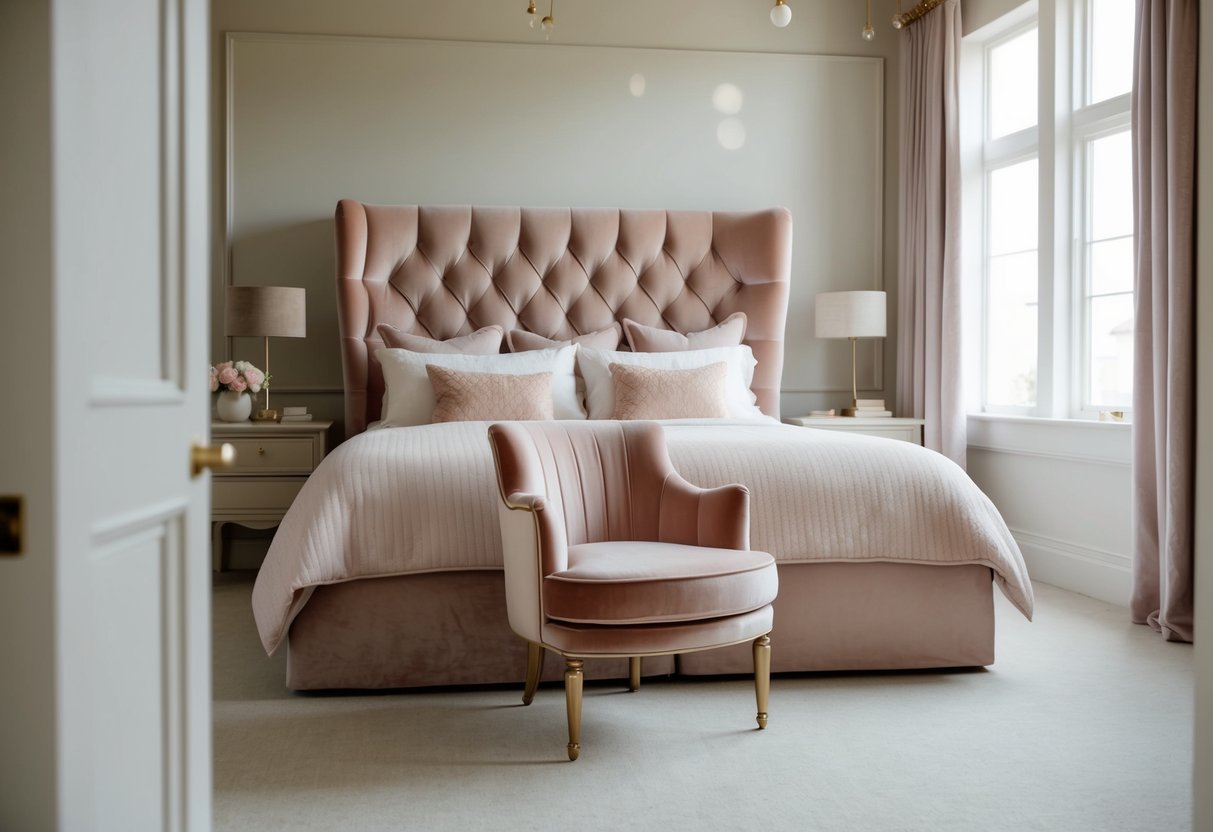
{"points": [[1164, 380], [928, 321]]}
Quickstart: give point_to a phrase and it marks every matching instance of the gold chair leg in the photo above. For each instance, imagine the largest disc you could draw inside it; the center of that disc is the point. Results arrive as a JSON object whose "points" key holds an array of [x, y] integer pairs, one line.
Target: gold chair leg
{"points": [[634, 673], [534, 669], [572, 698], [762, 676]]}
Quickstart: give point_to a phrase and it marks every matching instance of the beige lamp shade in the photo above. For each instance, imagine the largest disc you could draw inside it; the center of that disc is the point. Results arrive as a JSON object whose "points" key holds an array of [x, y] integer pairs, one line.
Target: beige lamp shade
{"points": [[850, 315], [266, 311]]}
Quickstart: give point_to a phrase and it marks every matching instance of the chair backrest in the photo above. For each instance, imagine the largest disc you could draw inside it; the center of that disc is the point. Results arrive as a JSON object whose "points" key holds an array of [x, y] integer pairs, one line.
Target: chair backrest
{"points": [[604, 478]]}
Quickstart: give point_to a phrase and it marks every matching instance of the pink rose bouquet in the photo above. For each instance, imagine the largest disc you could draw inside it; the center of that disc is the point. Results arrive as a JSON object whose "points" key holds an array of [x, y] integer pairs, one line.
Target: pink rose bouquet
{"points": [[237, 376]]}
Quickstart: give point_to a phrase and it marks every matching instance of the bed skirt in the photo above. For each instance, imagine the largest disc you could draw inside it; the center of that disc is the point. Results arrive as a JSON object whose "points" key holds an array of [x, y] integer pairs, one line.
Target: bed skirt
{"points": [[450, 628]]}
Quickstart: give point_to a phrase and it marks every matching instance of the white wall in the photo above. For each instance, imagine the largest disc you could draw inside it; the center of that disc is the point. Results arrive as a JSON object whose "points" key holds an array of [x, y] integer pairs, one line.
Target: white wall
{"points": [[27, 582], [977, 13], [305, 369], [1064, 489]]}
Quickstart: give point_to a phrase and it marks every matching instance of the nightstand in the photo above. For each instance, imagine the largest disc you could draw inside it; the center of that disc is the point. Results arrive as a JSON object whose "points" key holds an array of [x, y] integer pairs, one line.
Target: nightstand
{"points": [[273, 460], [890, 427]]}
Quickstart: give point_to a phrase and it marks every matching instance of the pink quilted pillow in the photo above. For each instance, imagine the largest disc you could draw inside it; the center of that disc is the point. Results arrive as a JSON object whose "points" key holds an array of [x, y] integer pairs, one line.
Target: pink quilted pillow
{"points": [[481, 397], [520, 340], [646, 393], [485, 341], [727, 333]]}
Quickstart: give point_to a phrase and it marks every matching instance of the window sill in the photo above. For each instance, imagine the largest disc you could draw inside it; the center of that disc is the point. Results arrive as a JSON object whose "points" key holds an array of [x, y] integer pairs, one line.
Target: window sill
{"points": [[1049, 420], [1075, 440]]}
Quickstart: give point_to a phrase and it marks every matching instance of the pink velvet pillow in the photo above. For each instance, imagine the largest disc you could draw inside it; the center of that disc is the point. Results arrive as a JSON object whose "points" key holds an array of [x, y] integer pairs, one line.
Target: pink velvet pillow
{"points": [[482, 397], [727, 333], [645, 393], [520, 340], [485, 341]]}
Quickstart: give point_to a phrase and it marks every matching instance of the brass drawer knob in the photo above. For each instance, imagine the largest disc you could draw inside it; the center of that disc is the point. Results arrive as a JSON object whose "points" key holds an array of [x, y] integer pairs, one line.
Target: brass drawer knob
{"points": [[261, 452]]}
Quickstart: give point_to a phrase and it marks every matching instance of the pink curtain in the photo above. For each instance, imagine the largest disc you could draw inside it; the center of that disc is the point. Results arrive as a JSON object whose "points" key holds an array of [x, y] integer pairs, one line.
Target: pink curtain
{"points": [[928, 320], [1164, 381]]}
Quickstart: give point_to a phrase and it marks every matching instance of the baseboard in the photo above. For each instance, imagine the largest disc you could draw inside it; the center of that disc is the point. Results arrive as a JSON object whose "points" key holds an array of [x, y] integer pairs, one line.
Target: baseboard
{"points": [[1107, 576]]}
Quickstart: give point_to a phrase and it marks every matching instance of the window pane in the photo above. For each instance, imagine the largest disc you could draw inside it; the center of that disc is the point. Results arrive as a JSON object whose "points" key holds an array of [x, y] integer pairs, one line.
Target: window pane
{"points": [[1111, 186], [1012, 104], [1013, 208], [1011, 330], [1111, 69], [1112, 266], [1110, 343]]}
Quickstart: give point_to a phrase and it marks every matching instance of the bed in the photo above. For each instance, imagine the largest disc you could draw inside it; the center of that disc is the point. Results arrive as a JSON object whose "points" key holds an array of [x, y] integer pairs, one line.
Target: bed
{"points": [[386, 571]]}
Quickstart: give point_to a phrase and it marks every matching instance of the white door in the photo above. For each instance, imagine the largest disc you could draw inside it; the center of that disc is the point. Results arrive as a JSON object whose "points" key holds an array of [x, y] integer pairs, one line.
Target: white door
{"points": [[128, 262]]}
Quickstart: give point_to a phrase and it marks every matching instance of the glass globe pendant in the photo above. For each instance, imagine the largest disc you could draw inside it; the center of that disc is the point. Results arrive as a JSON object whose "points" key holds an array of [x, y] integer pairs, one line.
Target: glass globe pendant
{"points": [[781, 14], [868, 32]]}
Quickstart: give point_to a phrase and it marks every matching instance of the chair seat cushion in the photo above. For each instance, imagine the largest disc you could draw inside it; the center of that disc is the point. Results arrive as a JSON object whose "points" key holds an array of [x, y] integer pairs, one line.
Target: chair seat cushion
{"points": [[639, 582]]}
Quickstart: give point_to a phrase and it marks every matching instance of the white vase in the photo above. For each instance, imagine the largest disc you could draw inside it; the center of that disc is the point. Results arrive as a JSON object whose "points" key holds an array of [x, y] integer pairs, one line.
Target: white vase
{"points": [[233, 406]]}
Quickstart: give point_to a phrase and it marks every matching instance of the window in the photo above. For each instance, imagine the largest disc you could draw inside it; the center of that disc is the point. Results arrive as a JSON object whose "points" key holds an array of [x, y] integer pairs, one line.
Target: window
{"points": [[1050, 254]]}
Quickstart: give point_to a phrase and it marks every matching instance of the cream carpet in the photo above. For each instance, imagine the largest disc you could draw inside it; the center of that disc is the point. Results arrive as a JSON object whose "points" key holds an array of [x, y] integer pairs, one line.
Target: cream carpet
{"points": [[1084, 723]]}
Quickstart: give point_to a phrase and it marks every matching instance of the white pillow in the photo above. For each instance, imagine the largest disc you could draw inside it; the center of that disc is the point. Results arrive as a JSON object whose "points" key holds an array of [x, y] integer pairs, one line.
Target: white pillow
{"points": [[409, 397], [600, 392]]}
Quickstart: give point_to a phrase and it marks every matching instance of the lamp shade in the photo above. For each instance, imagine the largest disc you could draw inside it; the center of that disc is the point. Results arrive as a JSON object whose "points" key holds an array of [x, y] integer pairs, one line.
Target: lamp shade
{"points": [[277, 311], [850, 315]]}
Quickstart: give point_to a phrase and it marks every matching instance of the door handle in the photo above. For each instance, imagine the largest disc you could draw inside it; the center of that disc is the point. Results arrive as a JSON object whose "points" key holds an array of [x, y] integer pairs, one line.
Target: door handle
{"points": [[211, 456]]}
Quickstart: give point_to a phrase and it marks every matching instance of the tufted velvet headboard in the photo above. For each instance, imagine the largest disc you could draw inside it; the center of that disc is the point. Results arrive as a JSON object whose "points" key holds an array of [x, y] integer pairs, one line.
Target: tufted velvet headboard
{"points": [[446, 271]]}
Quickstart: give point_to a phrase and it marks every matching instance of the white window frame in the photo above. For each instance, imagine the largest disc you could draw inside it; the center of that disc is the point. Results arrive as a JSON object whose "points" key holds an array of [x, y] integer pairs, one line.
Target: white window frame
{"points": [[1066, 124]]}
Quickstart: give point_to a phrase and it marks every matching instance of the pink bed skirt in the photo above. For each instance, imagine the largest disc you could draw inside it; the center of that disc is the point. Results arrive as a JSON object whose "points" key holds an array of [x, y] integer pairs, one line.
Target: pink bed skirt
{"points": [[450, 628]]}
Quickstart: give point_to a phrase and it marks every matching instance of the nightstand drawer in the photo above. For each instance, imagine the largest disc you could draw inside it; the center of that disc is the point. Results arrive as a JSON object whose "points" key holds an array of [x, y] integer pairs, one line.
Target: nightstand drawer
{"points": [[276, 454], [905, 434], [250, 495], [888, 427]]}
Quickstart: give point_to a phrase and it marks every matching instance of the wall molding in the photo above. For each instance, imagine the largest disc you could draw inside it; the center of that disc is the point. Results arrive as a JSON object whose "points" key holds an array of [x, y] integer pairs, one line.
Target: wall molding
{"points": [[864, 75], [1098, 573], [1086, 459]]}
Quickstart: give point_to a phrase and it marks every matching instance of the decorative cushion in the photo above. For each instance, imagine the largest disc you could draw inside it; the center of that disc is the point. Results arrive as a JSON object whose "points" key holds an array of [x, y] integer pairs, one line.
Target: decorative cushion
{"points": [[409, 397], [595, 367], [480, 397], [727, 333], [484, 341], [647, 393], [640, 582], [520, 340]]}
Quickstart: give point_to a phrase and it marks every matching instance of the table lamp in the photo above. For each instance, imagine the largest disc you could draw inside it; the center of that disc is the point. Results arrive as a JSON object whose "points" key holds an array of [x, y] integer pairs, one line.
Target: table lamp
{"points": [[852, 315], [265, 312]]}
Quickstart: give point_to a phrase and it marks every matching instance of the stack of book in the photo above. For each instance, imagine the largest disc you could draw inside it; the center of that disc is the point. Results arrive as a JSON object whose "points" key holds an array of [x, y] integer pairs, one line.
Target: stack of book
{"points": [[868, 408], [295, 414]]}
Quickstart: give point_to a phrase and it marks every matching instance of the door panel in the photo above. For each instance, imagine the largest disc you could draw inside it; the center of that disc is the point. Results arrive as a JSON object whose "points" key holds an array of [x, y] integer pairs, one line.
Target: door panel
{"points": [[130, 207]]}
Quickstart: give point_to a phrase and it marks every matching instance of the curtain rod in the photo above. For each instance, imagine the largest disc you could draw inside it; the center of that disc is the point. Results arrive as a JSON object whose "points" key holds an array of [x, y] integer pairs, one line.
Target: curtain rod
{"points": [[916, 13]]}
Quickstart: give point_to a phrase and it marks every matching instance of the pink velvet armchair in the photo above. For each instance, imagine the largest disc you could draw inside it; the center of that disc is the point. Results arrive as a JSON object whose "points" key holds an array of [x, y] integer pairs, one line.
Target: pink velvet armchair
{"points": [[610, 553]]}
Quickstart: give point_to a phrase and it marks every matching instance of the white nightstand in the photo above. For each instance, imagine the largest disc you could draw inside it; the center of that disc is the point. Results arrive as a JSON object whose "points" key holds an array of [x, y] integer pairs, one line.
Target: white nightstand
{"points": [[272, 462], [890, 427]]}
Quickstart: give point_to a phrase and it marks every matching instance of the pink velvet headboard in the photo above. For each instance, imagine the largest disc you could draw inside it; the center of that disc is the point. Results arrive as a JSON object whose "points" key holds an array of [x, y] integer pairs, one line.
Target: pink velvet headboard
{"points": [[446, 271]]}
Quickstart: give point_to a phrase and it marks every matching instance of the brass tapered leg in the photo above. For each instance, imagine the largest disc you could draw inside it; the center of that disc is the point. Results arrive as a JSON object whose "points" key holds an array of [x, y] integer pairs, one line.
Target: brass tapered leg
{"points": [[572, 698], [534, 668], [634, 673], [762, 676]]}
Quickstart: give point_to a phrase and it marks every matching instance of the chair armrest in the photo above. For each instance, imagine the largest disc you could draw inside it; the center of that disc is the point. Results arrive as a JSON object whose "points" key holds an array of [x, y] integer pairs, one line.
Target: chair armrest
{"points": [[525, 502], [716, 517]]}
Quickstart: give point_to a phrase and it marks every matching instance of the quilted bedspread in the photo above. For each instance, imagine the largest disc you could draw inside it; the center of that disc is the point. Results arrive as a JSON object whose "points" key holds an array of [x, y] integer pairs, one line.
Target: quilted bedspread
{"points": [[421, 499]]}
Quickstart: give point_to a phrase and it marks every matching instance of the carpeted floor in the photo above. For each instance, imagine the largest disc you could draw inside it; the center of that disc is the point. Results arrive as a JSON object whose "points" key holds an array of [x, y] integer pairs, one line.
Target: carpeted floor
{"points": [[1084, 723]]}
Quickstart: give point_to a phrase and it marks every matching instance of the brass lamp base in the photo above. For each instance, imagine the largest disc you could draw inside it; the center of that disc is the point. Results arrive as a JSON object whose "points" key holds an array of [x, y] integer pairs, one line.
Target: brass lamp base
{"points": [[266, 416]]}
